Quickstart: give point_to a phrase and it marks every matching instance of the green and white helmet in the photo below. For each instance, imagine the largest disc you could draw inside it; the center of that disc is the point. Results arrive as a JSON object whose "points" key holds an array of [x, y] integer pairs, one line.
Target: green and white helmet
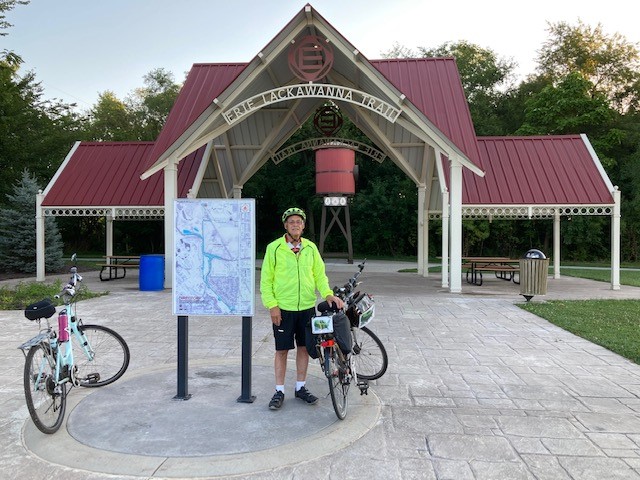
{"points": [[293, 211]]}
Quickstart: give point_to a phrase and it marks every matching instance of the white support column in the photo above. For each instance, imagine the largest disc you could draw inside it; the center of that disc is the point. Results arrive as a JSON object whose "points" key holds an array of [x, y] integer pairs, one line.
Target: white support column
{"points": [[425, 233], [109, 234], [237, 191], [445, 239], [422, 236], [556, 244], [456, 227], [170, 194], [40, 241], [615, 241]]}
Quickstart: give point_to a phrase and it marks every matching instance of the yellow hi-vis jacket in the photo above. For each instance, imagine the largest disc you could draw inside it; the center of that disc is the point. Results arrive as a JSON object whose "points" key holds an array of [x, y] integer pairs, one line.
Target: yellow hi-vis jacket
{"points": [[289, 280]]}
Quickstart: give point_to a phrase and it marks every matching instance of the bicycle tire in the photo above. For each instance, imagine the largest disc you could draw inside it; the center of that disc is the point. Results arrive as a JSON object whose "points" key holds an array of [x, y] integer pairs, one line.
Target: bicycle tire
{"points": [[337, 388], [372, 356], [111, 356], [46, 402]]}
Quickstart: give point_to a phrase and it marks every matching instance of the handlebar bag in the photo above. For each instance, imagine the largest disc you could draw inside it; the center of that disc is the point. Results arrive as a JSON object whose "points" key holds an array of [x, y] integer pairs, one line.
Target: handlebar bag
{"points": [[42, 309]]}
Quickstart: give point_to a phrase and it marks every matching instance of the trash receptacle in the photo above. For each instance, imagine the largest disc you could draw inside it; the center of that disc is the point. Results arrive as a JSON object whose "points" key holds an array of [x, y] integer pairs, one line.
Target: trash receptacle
{"points": [[151, 272], [534, 269]]}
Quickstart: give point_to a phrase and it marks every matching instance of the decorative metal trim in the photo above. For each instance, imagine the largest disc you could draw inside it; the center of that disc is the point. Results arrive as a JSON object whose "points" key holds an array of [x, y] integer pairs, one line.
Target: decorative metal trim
{"points": [[121, 213], [528, 212], [319, 142]]}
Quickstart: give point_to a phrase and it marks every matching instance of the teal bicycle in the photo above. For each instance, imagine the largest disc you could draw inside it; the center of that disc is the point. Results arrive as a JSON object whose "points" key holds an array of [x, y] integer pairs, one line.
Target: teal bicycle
{"points": [[51, 369]]}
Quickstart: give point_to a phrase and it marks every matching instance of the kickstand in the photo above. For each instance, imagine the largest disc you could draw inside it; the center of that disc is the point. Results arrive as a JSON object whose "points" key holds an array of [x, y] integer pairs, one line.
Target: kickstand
{"points": [[363, 385]]}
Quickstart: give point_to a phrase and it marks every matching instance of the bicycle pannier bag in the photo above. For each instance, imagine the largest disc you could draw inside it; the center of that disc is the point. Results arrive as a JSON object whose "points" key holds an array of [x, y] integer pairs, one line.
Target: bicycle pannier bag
{"points": [[342, 332], [42, 309]]}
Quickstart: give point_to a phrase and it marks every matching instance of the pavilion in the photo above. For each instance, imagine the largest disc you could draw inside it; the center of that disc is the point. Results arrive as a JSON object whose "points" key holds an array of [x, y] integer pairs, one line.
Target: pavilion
{"points": [[231, 118]]}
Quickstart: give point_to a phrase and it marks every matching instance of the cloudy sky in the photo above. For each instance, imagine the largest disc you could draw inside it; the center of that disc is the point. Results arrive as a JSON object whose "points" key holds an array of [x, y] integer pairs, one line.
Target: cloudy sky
{"points": [[79, 48]]}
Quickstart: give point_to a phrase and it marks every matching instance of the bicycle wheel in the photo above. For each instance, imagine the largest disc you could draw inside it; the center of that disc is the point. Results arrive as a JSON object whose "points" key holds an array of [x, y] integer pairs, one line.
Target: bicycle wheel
{"points": [[46, 401], [337, 387], [110, 356], [372, 356]]}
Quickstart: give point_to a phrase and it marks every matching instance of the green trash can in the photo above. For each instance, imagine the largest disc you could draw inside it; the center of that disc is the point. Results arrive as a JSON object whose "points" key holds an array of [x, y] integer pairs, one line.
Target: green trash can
{"points": [[151, 272], [534, 270]]}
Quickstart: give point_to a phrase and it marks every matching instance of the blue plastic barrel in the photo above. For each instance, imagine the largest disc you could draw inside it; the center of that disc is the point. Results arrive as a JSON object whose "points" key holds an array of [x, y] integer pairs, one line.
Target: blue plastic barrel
{"points": [[151, 272]]}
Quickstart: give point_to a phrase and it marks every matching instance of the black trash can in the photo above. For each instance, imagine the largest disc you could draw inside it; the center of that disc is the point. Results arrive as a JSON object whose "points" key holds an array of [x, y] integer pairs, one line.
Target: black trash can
{"points": [[534, 269], [151, 272]]}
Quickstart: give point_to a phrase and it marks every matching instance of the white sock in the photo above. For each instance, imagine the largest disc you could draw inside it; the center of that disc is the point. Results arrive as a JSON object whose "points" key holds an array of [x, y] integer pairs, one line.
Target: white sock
{"points": [[299, 385], [280, 388]]}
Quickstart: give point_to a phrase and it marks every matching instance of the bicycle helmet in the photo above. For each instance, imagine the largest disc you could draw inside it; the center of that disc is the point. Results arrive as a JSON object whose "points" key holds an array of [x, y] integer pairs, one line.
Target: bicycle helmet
{"points": [[293, 211]]}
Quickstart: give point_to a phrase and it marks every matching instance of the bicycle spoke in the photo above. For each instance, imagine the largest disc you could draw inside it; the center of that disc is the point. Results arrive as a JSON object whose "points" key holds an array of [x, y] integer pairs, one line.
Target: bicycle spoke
{"points": [[46, 401], [372, 356], [338, 386], [107, 359]]}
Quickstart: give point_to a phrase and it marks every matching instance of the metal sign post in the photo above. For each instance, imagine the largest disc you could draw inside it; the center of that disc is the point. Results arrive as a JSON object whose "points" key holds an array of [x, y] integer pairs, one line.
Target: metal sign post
{"points": [[245, 395], [183, 358]]}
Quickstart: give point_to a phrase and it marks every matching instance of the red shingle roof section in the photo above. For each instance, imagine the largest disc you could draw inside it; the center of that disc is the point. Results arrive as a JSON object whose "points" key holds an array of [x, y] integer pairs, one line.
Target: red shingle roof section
{"points": [[205, 82], [433, 85], [105, 174], [536, 170]]}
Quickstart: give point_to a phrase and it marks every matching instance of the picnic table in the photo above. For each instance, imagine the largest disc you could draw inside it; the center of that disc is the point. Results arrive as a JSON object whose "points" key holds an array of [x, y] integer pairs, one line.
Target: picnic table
{"points": [[117, 265], [505, 268]]}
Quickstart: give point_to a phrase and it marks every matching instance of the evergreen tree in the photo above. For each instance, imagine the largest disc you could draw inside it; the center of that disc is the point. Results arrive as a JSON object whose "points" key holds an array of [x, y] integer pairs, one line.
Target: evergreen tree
{"points": [[18, 231]]}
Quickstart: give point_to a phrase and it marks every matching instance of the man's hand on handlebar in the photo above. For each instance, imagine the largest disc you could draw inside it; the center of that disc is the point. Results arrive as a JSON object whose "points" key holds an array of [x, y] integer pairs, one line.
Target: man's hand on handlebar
{"points": [[332, 299]]}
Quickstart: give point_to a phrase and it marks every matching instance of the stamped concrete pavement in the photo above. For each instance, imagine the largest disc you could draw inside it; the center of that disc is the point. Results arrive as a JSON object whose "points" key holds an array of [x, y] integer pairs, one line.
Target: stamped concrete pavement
{"points": [[476, 389]]}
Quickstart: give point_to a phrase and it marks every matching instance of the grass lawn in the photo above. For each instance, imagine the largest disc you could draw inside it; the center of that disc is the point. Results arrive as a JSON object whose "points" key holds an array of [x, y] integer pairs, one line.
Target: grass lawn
{"points": [[25, 293], [613, 324]]}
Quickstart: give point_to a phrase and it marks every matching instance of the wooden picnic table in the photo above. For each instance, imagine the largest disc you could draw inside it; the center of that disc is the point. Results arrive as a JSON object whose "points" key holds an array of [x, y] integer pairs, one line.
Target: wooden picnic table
{"points": [[117, 266], [505, 268]]}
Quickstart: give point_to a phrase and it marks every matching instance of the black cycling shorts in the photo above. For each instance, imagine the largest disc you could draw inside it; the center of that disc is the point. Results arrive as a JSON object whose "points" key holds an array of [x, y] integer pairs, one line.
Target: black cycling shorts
{"points": [[292, 327]]}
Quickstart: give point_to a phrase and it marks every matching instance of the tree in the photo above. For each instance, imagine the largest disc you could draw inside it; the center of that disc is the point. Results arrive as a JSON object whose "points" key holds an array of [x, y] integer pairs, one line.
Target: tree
{"points": [[6, 5], [152, 103], [34, 134], [111, 120], [571, 107], [138, 118], [18, 231], [484, 75], [609, 62], [400, 51]]}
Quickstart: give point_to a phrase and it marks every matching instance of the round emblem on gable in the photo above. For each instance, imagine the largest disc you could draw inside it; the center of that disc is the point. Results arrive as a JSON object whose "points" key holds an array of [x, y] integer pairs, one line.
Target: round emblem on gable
{"points": [[328, 120], [310, 58]]}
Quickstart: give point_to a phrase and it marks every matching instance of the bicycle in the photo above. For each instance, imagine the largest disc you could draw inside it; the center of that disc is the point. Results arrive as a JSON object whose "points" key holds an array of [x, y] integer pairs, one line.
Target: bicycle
{"points": [[51, 369], [346, 349]]}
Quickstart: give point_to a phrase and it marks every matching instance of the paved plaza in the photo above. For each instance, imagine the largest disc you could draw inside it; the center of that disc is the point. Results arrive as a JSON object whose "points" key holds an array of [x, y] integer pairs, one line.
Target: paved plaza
{"points": [[476, 389]]}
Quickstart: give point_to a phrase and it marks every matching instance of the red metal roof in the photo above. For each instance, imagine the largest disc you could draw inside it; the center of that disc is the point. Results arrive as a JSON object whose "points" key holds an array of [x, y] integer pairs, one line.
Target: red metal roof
{"points": [[433, 85], [103, 174], [536, 170], [204, 82]]}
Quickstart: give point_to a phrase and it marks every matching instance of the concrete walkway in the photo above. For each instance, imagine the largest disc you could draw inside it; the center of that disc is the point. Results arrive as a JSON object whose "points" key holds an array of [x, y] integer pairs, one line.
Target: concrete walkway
{"points": [[476, 389]]}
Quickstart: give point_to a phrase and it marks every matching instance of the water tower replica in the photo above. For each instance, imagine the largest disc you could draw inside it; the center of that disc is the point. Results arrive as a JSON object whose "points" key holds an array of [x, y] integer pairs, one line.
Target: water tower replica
{"points": [[336, 175]]}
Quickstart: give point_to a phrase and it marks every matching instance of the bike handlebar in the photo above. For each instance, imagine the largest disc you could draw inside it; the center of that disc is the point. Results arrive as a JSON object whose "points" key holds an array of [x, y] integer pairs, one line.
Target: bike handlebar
{"points": [[70, 288], [351, 284], [343, 293]]}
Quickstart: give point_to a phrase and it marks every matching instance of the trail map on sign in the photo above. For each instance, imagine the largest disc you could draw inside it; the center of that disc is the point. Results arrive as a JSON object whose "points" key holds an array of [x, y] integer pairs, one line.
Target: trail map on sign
{"points": [[214, 270]]}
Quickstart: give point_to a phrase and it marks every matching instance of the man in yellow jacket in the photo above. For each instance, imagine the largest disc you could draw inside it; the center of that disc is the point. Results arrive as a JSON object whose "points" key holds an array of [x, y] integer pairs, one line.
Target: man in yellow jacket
{"points": [[292, 271]]}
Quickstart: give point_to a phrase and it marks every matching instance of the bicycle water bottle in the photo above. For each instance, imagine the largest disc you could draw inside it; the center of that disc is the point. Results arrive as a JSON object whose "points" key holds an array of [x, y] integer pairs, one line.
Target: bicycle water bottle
{"points": [[63, 326]]}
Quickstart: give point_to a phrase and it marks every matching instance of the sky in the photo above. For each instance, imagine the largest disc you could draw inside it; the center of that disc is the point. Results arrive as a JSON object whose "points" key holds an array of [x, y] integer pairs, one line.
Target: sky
{"points": [[80, 48]]}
